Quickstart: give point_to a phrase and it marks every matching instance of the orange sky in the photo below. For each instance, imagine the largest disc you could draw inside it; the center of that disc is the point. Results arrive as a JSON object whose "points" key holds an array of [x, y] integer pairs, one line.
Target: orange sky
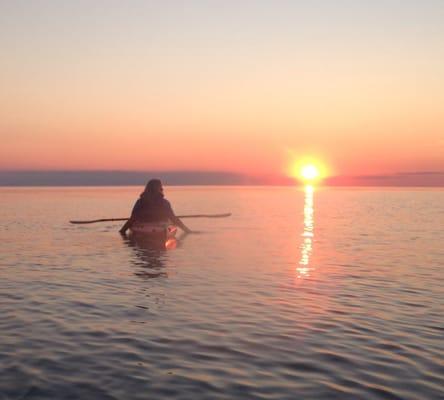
{"points": [[243, 88]]}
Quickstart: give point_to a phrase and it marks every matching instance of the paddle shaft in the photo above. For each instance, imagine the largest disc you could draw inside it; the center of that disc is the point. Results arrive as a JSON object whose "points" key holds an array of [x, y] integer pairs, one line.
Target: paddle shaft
{"points": [[126, 219]]}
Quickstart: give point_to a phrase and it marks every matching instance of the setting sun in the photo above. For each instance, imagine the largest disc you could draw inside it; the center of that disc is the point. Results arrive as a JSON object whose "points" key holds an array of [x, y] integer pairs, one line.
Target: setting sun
{"points": [[308, 170]]}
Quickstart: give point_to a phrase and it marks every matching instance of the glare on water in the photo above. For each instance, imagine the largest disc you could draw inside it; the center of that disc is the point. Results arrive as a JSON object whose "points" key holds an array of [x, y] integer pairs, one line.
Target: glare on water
{"points": [[308, 234]]}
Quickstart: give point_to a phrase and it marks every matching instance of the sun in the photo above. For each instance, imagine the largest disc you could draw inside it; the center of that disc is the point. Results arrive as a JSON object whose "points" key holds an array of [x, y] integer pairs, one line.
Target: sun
{"points": [[308, 170]]}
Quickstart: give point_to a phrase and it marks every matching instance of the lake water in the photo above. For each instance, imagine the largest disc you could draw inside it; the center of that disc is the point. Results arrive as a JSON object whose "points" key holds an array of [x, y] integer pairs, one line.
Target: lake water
{"points": [[300, 294]]}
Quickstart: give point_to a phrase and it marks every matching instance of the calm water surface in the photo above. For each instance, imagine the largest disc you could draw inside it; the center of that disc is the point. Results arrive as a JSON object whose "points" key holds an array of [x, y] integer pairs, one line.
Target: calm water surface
{"points": [[301, 294]]}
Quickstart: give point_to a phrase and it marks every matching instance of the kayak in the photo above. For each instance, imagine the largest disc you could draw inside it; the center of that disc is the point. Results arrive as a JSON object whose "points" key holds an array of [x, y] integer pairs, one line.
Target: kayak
{"points": [[154, 231]]}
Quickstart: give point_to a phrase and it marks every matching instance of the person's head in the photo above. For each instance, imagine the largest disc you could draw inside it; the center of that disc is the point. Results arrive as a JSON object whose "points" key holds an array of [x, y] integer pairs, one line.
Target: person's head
{"points": [[153, 187]]}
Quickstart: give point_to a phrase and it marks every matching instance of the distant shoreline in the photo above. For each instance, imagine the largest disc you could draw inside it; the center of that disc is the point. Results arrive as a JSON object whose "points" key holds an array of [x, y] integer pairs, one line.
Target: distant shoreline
{"points": [[206, 178], [326, 186]]}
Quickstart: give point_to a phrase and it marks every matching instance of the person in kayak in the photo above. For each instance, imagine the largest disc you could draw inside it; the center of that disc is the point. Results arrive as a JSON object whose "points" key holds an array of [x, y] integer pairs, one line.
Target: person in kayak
{"points": [[153, 207]]}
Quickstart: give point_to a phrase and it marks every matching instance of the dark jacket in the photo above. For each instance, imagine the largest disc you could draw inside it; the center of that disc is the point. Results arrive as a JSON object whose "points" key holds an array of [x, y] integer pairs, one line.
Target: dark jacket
{"points": [[152, 209]]}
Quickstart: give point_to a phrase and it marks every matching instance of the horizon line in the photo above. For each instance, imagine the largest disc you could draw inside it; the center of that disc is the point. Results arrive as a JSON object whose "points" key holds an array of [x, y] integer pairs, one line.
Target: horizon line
{"points": [[97, 177]]}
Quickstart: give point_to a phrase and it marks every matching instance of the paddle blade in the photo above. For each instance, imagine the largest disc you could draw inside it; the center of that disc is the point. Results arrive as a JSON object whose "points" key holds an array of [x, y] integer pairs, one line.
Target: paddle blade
{"points": [[205, 215], [99, 220]]}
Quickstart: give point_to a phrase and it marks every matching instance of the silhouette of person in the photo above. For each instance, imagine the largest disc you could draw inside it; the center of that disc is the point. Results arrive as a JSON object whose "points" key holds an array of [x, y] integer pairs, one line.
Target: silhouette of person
{"points": [[153, 207]]}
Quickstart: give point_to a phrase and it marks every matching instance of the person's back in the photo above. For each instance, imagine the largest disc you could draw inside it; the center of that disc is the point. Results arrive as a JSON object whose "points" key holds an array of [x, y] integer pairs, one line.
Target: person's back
{"points": [[153, 207]]}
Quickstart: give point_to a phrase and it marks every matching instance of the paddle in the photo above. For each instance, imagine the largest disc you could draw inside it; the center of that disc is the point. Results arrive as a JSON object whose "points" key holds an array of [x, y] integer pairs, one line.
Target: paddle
{"points": [[126, 219]]}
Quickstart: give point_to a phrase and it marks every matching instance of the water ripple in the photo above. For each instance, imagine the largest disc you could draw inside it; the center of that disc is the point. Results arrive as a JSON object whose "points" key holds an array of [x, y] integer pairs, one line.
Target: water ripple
{"points": [[227, 314]]}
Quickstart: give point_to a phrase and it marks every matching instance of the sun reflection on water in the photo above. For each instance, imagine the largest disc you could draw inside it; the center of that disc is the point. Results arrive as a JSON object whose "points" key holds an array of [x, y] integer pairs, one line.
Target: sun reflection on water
{"points": [[303, 270]]}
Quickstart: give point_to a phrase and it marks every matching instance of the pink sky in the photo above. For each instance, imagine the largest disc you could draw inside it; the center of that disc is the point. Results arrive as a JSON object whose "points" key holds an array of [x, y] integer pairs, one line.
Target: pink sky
{"points": [[246, 89]]}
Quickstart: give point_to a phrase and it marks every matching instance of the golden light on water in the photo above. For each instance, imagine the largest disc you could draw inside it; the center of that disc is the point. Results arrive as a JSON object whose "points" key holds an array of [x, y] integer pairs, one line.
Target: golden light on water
{"points": [[303, 270]]}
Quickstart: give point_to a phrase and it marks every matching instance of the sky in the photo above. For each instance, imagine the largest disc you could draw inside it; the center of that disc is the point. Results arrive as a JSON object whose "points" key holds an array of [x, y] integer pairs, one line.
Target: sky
{"points": [[245, 87]]}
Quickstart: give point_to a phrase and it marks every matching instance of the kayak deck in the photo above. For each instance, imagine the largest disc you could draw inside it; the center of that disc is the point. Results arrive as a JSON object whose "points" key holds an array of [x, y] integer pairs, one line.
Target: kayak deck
{"points": [[155, 231]]}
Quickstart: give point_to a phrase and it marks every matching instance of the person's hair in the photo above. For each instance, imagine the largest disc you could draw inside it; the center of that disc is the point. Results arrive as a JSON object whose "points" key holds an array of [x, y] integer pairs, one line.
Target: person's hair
{"points": [[152, 187]]}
